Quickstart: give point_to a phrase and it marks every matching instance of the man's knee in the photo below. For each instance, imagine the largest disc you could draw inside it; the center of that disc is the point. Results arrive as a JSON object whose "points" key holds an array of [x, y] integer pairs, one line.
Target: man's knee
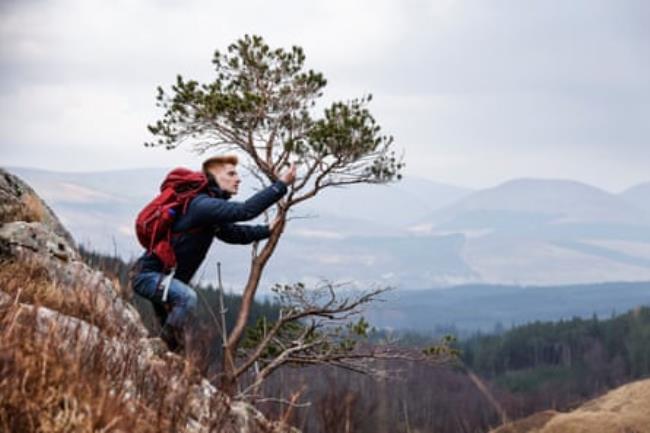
{"points": [[191, 300], [188, 300]]}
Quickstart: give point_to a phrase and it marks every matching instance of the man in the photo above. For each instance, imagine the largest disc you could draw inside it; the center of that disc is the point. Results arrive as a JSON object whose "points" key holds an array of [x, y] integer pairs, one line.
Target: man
{"points": [[208, 215]]}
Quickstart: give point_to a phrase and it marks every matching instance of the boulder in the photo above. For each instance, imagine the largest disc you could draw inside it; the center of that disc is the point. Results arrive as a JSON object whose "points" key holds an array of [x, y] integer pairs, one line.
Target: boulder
{"points": [[35, 244], [19, 202]]}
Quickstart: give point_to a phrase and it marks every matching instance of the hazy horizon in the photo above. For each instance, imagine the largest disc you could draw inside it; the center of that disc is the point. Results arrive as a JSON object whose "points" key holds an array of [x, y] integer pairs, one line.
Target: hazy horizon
{"points": [[412, 176]]}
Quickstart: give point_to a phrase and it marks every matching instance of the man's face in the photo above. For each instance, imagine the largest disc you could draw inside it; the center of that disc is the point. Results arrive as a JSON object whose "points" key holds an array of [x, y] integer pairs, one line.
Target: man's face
{"points": [[227, 177]]}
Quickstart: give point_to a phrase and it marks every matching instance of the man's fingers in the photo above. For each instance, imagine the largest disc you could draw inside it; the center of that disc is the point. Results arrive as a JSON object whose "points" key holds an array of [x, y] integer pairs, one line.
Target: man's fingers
{"points": [[290, 175]]}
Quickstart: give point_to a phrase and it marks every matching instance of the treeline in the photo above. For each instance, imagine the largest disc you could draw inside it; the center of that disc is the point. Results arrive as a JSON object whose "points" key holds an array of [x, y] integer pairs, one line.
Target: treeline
{"points": [[523, 370], [529, 368], [566, 360]]}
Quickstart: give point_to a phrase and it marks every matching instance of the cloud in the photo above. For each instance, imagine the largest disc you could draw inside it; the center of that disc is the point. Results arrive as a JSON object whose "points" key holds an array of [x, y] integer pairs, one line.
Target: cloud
{"points": [[473, 91]]}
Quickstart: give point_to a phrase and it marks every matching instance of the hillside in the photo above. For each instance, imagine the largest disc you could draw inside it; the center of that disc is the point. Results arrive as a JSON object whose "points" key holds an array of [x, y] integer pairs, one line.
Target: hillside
{"points": [[624, 409], [547, 232], [638, 195], [556, 200], [76, 356]]}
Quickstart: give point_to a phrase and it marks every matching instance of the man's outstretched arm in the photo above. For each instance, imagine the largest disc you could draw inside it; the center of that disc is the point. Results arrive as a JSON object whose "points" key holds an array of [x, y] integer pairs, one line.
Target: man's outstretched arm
{"points": [[208, 210], [242, 233]]}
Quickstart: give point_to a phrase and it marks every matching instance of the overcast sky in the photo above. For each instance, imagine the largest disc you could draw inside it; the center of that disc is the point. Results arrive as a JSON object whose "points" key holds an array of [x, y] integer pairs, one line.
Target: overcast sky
{"points": [[475, 92]]}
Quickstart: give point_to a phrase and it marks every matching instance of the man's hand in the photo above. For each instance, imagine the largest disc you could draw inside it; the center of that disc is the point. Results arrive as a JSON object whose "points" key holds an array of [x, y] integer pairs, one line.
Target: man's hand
{"points": [[290, 175]]}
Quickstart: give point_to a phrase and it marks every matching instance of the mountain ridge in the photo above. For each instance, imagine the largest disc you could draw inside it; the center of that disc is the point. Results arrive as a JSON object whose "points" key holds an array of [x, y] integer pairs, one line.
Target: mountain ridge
{"points": [[560, 200], [363, 233]]}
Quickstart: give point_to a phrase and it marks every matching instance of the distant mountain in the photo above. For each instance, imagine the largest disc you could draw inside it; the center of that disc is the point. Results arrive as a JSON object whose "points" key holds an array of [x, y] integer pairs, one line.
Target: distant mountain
{"points": [[638, 195], [537, 231], [346, 233], [536, 201], [395, 204], [385, 207], [118, 185], [98, 207], [526, 231], [468, 308]]}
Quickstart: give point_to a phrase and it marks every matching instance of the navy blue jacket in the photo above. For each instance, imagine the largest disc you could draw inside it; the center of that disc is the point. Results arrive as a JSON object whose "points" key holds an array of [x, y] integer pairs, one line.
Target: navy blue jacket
{"points": [[210, 214]]}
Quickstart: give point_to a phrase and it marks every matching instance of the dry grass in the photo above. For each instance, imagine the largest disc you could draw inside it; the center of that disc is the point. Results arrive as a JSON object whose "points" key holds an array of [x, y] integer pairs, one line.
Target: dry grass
{"points": [[32, 283], [529, 424], [29, 209], [33, 208], [623, 410], [54, 379]]}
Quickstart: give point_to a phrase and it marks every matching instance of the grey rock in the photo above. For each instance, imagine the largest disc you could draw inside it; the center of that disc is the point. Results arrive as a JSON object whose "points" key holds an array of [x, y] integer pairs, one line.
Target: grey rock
{"points": [[19, 202], [20, 238], [36, 243]]}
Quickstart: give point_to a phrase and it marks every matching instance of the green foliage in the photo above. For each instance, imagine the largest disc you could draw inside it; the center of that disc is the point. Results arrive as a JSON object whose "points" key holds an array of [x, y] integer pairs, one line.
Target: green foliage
{"points": [[313, 327], [359, 328], [332, 340], [263, 96], [254, 334], [444, 349], [255, 87]]}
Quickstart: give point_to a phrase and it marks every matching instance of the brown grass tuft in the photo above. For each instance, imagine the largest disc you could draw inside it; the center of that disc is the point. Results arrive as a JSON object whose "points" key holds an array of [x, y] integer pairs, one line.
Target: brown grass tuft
{"points": [[32, 209], [32, 283], [56, 382], [62, 374]]}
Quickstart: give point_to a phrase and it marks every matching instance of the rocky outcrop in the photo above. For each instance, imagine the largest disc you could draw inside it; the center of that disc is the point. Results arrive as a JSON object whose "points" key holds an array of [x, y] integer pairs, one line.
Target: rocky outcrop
{"points": [[36, 244], [19, 202], [60, 299], [623, 410]]}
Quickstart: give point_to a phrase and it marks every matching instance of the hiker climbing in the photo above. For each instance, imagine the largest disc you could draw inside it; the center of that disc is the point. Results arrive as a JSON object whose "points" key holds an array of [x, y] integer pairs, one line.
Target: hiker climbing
{"points": [[177, 229]]}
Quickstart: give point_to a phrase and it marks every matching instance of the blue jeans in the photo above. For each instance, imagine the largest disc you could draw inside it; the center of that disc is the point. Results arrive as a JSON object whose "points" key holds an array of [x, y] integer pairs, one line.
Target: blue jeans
{"points": [[181, 298]]}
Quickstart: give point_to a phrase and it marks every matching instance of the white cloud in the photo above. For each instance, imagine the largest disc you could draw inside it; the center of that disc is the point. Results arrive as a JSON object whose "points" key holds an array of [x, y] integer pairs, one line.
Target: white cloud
{"points": [[471, 90]]}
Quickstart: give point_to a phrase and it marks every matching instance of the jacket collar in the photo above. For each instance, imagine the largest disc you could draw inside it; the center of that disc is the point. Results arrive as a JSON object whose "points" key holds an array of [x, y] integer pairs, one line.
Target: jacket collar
{"points": [[215, 191]]}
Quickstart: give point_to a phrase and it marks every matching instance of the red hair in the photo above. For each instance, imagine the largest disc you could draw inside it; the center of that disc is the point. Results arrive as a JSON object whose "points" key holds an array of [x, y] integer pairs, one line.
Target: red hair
{"points": [[216, 161]]}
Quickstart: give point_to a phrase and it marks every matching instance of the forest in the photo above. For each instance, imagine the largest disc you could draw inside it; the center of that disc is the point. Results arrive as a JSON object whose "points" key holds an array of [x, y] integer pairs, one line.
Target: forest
{"points": [[498, 376]]}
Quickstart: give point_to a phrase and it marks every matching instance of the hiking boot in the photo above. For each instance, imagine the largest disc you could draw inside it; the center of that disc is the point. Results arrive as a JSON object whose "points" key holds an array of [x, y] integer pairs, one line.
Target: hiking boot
{"points": [[173, 338]]}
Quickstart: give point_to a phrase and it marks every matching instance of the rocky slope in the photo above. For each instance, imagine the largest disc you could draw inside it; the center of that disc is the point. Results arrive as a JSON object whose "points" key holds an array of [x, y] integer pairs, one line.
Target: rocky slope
{"points": [[623, 410], [76, 356]]}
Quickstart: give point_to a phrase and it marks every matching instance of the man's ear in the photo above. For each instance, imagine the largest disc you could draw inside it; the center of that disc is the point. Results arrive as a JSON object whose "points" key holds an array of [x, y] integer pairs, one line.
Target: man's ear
{"points": [[210, 177]]}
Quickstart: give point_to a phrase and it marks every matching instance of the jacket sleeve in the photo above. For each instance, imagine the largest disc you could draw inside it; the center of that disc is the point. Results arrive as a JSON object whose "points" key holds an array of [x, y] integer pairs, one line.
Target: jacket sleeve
{"points": [[241, 233], [211, 210]]}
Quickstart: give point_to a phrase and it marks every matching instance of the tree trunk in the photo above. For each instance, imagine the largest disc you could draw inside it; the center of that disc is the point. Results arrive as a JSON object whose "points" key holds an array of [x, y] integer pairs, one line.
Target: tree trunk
{"points": [[230, 375]]}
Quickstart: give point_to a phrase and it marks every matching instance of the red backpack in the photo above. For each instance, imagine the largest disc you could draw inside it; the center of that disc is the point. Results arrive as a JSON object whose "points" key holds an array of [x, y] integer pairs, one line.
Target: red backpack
{"points": [[154, 223]]}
